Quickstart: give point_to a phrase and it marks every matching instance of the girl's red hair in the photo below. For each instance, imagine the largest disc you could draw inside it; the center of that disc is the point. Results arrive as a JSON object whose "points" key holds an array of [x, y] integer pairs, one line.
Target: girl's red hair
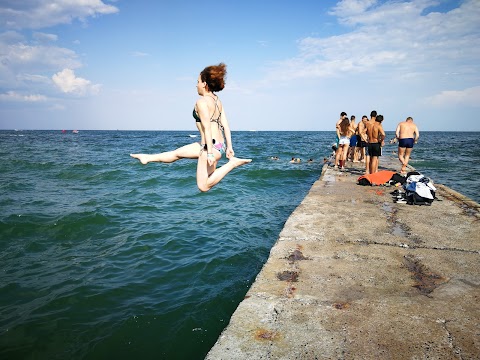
{"points": [[214, 76]]}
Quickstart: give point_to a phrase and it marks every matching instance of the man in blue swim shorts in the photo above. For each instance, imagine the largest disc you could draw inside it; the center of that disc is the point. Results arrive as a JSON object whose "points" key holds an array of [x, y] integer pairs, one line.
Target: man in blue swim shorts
{"points": [[407, 134]]}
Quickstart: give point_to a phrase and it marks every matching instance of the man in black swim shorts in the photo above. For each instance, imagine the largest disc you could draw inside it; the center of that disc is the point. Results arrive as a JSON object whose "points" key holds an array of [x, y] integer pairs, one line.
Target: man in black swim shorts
{"points": [[376, 139], [362, 138], [374, 149]]}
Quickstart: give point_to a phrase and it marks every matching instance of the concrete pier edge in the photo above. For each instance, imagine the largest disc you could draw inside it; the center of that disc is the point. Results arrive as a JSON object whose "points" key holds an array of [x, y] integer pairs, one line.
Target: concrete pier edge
{"points": [[354, 275]]}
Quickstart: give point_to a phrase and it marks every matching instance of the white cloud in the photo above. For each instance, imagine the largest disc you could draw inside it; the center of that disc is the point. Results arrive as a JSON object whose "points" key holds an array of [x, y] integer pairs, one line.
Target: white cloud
{"points": [[22, 57], [25, 63], [467, 97], [27, 67], [15, 96], [34, 78], [390, 38], [10, 37], [352, 7], [36, 14], [67, 82], [44, 37]]}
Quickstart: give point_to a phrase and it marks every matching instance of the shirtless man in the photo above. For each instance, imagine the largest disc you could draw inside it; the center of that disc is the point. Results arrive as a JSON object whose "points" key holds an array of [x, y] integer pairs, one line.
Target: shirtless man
{"points": [[407, 134], [376, 139], [368, 125], [361, 139]]}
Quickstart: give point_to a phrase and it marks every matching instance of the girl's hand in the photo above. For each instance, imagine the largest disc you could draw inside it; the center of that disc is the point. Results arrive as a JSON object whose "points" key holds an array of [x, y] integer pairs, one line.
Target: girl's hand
{"points": [[230, 153], [211, 159]]}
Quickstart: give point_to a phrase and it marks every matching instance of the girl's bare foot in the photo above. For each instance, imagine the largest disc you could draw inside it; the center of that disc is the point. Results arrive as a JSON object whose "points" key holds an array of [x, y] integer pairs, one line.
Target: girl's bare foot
{"points": [[142, 157], [239, 162]]}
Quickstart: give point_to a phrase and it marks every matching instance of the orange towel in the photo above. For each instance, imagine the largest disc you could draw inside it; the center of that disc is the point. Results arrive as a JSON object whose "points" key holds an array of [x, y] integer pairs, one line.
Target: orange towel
{"points": [[378, 178]]}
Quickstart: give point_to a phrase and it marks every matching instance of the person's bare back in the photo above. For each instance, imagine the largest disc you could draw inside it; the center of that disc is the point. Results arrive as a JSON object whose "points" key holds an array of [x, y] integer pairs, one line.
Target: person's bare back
{"points": [[407, 130], [407, 134], [378, 132], [375, 133]]}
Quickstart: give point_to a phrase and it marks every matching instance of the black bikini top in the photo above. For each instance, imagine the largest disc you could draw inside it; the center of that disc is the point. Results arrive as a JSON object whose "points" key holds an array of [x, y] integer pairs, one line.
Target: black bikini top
{"points": [[195, 115], [217, 120]]}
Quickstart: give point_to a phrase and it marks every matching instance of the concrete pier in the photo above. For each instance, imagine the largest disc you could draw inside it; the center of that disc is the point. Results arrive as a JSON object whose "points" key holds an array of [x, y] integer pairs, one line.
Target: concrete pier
{"points": [[354, 275]]}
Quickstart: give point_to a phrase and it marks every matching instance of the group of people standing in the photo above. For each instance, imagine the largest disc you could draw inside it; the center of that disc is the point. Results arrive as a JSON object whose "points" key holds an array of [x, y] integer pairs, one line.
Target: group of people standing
{"points": [[363, 142]]}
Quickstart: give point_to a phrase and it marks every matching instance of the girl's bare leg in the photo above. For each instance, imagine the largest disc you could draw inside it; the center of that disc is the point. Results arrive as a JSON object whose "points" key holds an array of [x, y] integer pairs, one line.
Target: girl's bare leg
{"points": [[338, 155], [190, 151], [345, 153], [209, 176]]}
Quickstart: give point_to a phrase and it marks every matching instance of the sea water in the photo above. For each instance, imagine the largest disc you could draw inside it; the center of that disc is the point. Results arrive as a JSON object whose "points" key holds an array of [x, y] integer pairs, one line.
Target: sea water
{"points": [[102, 257]]}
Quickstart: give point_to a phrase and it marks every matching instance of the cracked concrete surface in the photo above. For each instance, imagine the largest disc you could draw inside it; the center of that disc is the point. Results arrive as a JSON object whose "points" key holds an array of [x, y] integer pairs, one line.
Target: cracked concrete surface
{"points": [[354, 275]]}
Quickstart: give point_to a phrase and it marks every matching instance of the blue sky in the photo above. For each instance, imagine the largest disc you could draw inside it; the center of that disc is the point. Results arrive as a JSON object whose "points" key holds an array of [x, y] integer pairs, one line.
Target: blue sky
{"points": [[292, 65]]}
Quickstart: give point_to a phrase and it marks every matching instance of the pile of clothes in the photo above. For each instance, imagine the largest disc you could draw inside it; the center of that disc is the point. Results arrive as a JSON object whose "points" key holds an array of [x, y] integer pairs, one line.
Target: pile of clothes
{"points": [[413, 189], [418, 190]]}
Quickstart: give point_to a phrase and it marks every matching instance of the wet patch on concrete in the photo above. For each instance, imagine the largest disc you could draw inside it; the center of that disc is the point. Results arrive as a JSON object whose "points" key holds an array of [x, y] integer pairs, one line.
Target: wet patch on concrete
{"points": [[424, 280], [387, 207], [288, 276], [356, 171], [297, 255], [329, 180], [468, 206], [468, 210], [397, 228]]}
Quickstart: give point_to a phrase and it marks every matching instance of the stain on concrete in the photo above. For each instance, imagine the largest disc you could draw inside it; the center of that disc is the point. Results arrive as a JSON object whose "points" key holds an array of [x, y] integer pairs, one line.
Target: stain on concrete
{"points": [[297, 255], [268, 335], [468, 206], [341, 305], [288, 276], [424, 280]]}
